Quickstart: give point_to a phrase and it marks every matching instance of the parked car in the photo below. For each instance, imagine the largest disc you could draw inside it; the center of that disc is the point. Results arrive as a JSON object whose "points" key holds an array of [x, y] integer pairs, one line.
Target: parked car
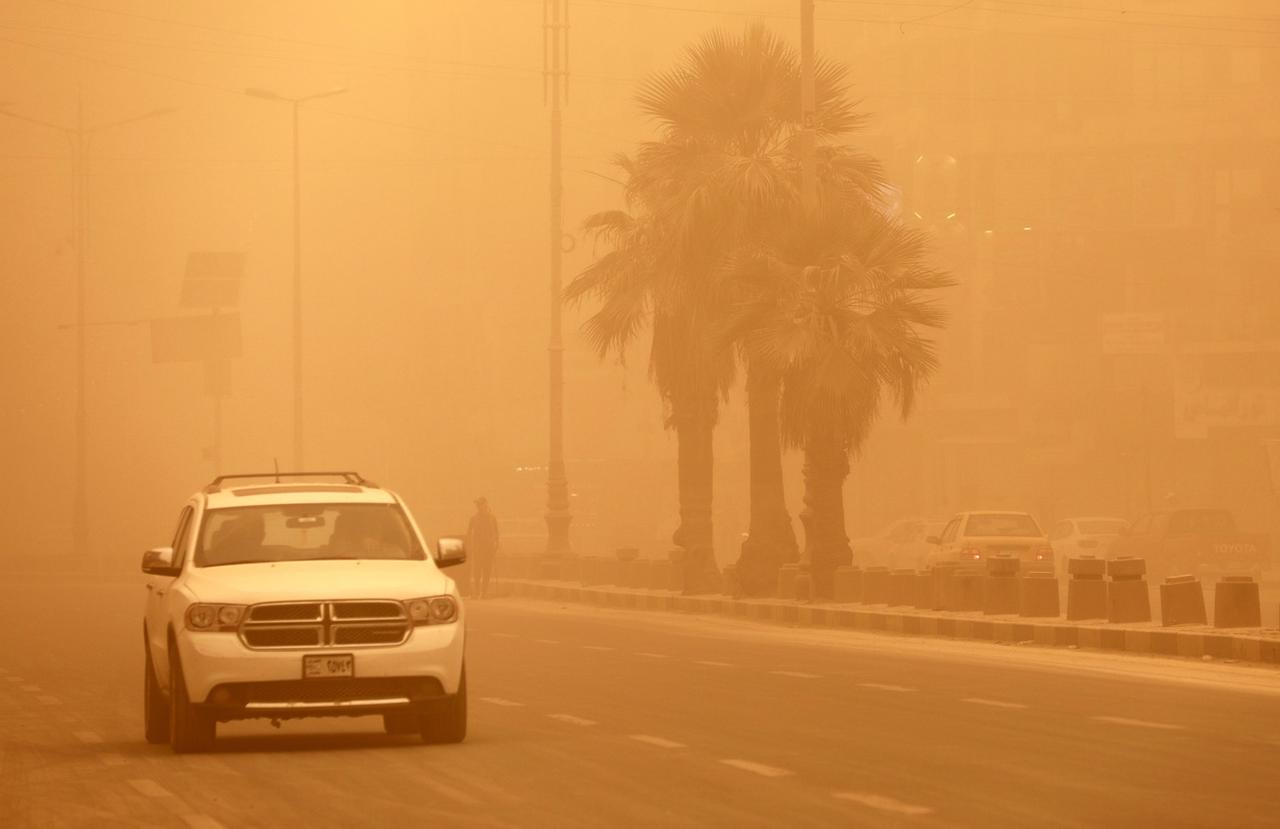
{"points": [[1193, 541], [301, 599], [902, 544], [1075, 537], [970, 537]]}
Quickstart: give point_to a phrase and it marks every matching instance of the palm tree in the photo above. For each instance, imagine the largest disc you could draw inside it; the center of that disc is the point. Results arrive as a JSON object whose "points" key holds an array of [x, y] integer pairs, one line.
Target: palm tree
{"points": [[844, 330], [724, 170]]}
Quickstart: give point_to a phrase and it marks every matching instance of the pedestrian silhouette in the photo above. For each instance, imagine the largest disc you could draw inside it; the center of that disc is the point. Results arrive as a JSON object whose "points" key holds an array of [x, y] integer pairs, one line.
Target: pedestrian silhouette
{"points": [[482, 546]]}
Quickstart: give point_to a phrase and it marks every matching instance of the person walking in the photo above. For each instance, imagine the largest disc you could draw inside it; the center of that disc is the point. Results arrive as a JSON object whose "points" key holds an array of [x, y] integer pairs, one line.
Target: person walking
{"points": [[482, 546]]}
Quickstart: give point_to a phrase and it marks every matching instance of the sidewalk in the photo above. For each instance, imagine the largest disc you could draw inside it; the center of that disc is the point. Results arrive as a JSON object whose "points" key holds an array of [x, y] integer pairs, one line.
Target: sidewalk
{"points": [[1192, 641]]}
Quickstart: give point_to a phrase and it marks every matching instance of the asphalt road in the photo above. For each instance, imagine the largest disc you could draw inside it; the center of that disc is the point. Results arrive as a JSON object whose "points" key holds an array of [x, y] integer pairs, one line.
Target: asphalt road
{"points": [[591, 717]]}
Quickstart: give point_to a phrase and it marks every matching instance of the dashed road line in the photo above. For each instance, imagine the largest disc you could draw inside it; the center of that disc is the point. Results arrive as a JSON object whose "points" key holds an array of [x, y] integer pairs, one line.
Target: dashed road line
{"points": [[660, 742], [88, 736], [757, 768], [994, 703], [796, 674], [31, 688], [505, 635], [110, 758], [45, 699], [503, 702], [651, 655], [879, 686], [710, 663], [150, 788], [547, 641], [884, 804], [598, 648], [1139, 723], [571, 719], [14, 679]]}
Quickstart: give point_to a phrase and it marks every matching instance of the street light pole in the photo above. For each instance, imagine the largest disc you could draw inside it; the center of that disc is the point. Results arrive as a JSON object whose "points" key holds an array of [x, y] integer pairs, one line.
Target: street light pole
{"points": [[79, 137], [296, 103], [557, 75]]}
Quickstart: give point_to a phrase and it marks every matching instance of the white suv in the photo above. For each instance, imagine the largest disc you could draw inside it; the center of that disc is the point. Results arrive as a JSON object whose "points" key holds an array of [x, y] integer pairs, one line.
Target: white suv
{"points": [[301, 599]]}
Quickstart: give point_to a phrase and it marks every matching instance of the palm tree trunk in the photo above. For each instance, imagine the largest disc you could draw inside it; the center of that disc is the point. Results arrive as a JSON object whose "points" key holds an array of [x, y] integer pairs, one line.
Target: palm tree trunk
{"points": [[771, 539], [694, 425], [826, 544]]}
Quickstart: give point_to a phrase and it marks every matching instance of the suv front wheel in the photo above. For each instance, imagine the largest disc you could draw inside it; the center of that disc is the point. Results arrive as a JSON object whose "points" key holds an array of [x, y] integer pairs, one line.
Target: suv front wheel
{"points": [[190, 729], [155, 709], [445, 721]]}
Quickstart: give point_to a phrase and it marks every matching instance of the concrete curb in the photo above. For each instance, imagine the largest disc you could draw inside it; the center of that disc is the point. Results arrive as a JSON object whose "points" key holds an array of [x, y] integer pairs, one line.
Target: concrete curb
{"points": [[1144, 639]]}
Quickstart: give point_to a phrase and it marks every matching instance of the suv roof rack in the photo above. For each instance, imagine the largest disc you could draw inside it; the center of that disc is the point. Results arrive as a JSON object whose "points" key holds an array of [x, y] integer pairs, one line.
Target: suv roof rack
{"points": [[349, 477]]}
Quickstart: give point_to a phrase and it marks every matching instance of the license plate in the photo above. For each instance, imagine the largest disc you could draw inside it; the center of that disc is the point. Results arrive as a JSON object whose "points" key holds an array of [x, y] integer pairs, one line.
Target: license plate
{"points": [[322, 666]]}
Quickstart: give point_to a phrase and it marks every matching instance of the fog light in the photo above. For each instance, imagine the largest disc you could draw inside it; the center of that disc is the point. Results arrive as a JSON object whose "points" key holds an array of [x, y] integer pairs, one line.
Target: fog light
{"points": [[220, 696]]}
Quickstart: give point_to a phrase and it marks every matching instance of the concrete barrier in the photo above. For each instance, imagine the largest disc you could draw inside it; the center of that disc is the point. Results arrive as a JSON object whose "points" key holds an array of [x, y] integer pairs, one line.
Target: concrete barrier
{"points": [[924, 590], [1182, 601], [1127, 596], [1086, 592], [659, 574], [902, 588], [941, 574], [803, 585], [1236, 603], [787, 581], [589, 571], [875, 585], [676, 583], [1000, 588], [1038, 595], [848, 584], [966, 588], [638, 573]]}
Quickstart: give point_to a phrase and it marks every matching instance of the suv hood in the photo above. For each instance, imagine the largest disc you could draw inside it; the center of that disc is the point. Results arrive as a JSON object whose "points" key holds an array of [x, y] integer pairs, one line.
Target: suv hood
{"points": [[284, 581]]}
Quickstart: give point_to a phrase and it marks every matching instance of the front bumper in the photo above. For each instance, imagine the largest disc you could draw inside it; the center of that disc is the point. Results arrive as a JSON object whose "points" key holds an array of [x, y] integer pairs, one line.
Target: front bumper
{"points": [[431, 656]]}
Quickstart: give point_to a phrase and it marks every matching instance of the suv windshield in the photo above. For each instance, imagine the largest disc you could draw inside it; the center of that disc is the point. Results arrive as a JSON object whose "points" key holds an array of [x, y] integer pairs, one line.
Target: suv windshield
{"points": [[302, 532], [998, 524], [1101, 527], [1201, 522]]}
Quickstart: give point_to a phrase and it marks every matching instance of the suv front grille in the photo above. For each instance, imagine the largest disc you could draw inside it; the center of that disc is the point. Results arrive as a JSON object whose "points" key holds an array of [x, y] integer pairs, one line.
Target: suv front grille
{"points": [[362, 623]]}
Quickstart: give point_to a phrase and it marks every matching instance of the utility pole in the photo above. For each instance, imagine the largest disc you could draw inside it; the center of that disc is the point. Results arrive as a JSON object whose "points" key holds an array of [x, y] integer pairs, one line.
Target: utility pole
{"points": [[296, 104], [555, 21], [79, 136]]}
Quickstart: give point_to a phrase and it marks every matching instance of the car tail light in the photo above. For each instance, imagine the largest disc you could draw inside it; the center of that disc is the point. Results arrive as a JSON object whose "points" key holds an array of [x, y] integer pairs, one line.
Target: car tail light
{"points": [[432, 610], [219, 617], [1044, 554], [971, 552]]}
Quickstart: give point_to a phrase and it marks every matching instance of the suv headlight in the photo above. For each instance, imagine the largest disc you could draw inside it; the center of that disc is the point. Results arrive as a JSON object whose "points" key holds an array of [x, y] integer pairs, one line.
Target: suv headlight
{"points": [[221, 617], [432, 610]]}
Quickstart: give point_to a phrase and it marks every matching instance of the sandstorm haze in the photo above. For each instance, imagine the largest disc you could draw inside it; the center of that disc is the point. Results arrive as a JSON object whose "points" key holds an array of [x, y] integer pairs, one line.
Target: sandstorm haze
{"points": [[1101, 186]]}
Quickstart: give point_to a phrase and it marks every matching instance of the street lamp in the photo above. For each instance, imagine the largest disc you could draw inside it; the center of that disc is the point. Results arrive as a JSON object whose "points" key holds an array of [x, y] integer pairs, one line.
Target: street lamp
{"points": [[79, 136], [268, 95]]}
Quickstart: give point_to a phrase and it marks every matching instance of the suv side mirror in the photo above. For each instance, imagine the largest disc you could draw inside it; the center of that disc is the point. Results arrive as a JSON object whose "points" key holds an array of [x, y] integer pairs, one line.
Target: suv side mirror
{"points": [[933, 539], [158, 561], [450, 550]]}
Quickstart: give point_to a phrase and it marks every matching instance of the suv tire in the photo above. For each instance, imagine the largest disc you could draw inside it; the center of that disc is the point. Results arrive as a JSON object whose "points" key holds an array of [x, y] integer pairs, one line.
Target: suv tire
{"points": [[445, 721], [155, 708], [190, 729], [401, 722]]}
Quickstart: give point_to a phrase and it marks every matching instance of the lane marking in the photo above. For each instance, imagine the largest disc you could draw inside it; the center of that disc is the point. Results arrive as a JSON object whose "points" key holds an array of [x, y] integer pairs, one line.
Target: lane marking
{"points": [[994, 703], [88, 737], [569, 718], [656, 741], [884, 804], [201, 822], [757, 768], [110, 758], [504, 702], [505, 635], [651, 655], [1139, 723], [796, 674], [31, 688], [150, 788], [882, 687], [713, 664], [14, 679], [598, 647], [547, 641], [45, 699]]}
